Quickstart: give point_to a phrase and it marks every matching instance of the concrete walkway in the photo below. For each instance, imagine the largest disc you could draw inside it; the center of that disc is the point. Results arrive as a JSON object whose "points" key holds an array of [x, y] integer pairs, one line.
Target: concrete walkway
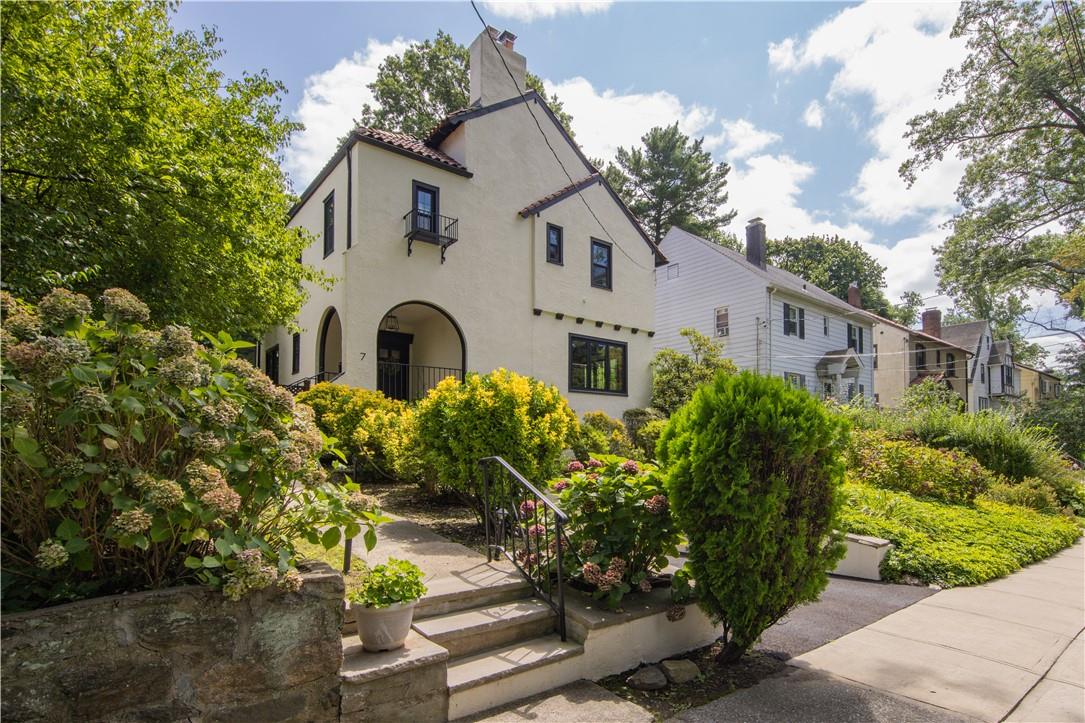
{"points": [[1010, 649]]}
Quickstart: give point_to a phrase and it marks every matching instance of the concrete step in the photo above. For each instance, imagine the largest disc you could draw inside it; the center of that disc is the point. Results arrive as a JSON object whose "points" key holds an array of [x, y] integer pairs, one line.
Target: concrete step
{"points": [[500, 675], [408, 684], [466, 632], [452, 594]]}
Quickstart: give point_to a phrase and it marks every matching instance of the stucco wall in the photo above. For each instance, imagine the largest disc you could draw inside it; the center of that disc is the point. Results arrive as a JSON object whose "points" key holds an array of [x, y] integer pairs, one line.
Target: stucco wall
{"points": [[179, 654], [893, 374]]}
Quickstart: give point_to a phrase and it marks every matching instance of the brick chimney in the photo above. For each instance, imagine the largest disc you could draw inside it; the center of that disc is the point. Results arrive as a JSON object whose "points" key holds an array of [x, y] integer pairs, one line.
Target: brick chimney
{"points": [[932, 322], [490, 81], [755, 242], [855, 298]]}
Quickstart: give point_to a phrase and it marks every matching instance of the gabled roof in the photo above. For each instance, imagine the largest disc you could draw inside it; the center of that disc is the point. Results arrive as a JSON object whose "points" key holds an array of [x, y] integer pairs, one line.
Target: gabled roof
{"points": [[965, 335], [916, 332], [562, 193], [777, 277], [1000, 352], [1045, 372]]}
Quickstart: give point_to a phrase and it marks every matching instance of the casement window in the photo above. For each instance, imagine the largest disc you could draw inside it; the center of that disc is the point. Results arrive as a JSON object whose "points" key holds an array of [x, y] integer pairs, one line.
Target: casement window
{"points": [[825, 325], [723, 324], [329, 224], [796, 380], [855, 338], [794, 321], [601, 254], [295, 354], [555, 245], [920, 357], [597, 365], [951, 364]]}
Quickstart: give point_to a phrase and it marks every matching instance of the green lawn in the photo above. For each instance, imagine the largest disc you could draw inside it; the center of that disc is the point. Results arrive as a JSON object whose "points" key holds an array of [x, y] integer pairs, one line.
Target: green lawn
{"points": [[334, 557]]}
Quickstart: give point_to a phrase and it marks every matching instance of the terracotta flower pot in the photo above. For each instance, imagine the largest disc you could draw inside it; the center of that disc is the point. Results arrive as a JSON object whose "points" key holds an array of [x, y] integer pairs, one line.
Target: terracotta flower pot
{"points": [[384, 628]]}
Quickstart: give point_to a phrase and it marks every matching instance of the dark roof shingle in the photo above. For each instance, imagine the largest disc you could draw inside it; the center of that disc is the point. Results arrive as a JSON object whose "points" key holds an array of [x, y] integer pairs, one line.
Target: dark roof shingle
{"points": [[410, 144]]}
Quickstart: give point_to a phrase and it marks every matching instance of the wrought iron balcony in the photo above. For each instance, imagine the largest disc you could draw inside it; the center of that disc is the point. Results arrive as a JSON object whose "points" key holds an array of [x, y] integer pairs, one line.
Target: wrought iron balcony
{"points": [[411, 382], [430, 227]]}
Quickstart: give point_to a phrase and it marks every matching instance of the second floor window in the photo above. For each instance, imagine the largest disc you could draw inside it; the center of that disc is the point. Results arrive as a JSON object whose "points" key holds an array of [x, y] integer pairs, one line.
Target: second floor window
{"points": [[920, 357], [329, 224], [426, 206], [600, 264], [794, 321], [295, 354], [1007, 375], [855, 338], [983, 374], [723, 324], [554, 244], [951, 364]]}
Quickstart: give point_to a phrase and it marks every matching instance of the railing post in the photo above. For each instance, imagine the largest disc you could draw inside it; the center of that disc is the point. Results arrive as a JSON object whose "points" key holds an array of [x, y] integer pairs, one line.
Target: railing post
{"points": [[486, 507], [561, 585]]}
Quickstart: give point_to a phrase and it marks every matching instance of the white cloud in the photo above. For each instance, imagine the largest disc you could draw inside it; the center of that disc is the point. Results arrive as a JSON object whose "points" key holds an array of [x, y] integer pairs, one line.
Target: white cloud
{"points": [[740, 139], [909, 263], [814, 115], [896, 55], [331, 101], [606, 120], [527, 12]]}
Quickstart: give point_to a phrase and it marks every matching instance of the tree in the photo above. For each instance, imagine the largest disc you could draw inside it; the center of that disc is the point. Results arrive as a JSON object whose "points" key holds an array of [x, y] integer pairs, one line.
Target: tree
{"points": [[415, 91], [1065, 414], [833, 263], [907, 311], [130, 161], [676, 376], [672, 181], [1018, 119]]}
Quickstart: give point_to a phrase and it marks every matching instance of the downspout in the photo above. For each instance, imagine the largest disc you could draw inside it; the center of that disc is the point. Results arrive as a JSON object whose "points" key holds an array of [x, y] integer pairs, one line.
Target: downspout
{"points": [[350, 195], [768, 317]]}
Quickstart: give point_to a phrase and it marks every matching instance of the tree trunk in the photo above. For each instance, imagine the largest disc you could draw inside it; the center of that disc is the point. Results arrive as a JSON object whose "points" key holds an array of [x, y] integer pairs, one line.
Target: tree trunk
{"points": [[730, 653]]}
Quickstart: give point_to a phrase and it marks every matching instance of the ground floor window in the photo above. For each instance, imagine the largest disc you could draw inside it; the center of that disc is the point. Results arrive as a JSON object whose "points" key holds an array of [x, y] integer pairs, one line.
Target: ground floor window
{"points": [[984, 403], [796, 380], [597, 365]]}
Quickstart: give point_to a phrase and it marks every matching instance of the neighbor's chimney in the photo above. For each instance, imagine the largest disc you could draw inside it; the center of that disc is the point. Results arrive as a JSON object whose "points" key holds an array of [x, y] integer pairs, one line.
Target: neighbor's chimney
{"points": [[855, 298], [932, 322], [755, 242], [490, 81]]}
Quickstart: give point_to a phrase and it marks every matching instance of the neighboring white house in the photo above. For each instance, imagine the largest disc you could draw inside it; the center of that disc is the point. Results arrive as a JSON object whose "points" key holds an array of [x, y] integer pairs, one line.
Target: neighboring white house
{"points": [[769, 320], [490, 243], [975, 336]]}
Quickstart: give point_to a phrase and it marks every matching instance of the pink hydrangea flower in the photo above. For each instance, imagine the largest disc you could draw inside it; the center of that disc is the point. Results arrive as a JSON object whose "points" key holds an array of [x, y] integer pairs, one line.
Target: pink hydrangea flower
{"points": [[593, 463], [561, 484], [527, 508], [536, 531], [657, 504], [630, 467], [645, 585], [574, 466]]}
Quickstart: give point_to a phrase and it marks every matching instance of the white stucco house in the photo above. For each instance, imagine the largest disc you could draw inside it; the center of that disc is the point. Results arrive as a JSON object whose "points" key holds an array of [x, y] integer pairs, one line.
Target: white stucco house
{"points": [[769, 320], [493, 242], [904, 357]]}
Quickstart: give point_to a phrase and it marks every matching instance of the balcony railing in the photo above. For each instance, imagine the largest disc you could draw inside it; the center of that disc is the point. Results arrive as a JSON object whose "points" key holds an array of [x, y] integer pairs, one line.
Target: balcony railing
{"points": [[302, 385], [411, 382], [430, 227]]}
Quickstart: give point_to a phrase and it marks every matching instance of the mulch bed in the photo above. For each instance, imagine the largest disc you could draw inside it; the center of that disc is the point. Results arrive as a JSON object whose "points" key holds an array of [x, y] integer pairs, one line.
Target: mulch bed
{"points": [[446, 514], [714, 682]]}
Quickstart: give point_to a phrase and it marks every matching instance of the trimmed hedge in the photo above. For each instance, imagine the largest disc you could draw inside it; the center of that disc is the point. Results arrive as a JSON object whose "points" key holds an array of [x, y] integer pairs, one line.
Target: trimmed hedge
{"points": [[951, 545]]}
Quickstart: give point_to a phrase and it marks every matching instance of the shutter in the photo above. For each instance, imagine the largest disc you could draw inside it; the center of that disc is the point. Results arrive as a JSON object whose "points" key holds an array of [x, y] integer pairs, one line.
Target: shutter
{"points": [[802, 323], [851, 343], [787, 319], [860, 349]]}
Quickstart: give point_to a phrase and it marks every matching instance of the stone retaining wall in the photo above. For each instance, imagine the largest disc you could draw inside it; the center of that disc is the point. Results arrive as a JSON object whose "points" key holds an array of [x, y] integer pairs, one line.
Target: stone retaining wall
{"points": [[181, 653]]}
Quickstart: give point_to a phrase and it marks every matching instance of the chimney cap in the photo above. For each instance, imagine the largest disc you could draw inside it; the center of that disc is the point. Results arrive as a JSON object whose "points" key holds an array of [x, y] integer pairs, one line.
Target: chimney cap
{"points": [[506, 36], [755, 220]]}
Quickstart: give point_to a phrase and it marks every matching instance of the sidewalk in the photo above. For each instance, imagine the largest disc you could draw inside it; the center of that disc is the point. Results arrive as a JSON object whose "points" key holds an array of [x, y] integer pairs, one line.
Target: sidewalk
{"points": [[1011, 649]]}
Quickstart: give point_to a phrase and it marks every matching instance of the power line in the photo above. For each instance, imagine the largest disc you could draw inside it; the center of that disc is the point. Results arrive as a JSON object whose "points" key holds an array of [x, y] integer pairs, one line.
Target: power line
{"points": [[515, 84]]}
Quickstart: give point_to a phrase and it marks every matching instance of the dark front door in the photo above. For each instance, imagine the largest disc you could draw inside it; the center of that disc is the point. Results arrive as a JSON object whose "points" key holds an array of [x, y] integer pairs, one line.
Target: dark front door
{"points": [[271, 363], [393, 364]]}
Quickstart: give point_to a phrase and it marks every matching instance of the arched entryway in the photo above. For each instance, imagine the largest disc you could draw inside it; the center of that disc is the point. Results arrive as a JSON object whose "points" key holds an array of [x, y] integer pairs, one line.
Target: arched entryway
{"points": [[418, 345], [329, 352]]}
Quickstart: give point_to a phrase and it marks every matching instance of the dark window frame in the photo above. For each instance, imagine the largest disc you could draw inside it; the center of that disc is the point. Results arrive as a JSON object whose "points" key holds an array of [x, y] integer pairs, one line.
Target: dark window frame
{"points": [[560, 259], [798, 326], [951, 364], [329, 224], [273, 352], [855, 338], [573, 338], [295, 353], [609, 265], [416, 185], [920, 357]]}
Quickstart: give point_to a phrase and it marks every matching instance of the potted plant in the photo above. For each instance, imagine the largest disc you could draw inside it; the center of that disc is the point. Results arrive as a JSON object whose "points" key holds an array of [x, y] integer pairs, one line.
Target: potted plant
{"points": [[384, 603]]}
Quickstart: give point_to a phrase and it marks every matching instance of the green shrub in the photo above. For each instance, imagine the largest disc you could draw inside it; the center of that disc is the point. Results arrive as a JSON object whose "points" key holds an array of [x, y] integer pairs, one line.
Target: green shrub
{"points": [[648, 438], [636, 423], [358, 419], [946, 475], [620, 525], [930, 394], [754, 468], [1032, 492], [135, 459], [675, 376], [952, 545], [600, 433], [396, 581], [521, 419]]}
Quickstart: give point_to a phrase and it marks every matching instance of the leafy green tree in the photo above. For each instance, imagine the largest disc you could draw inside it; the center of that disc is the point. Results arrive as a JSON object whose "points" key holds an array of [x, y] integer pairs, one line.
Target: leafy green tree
{"points": [[1019, 121], [676, 376], [1065, 414], [415, 91], [833, 263], [130, 161], [672, 181], [754, 469], [907, 311]]}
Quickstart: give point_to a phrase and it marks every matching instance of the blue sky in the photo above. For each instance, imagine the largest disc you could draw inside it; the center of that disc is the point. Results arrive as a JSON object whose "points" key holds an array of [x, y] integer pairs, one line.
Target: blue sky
{"points": [[807, 101]]}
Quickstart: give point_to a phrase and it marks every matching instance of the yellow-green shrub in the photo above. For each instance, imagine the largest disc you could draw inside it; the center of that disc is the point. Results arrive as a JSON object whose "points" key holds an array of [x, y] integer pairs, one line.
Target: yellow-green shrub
{"points": [[357, 418], [601, 433], [521, 419], [1031, 492]]}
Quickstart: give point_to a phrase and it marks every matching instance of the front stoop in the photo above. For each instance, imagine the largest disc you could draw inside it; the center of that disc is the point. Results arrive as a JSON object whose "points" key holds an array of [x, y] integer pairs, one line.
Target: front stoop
{"points": [[466, 632]]}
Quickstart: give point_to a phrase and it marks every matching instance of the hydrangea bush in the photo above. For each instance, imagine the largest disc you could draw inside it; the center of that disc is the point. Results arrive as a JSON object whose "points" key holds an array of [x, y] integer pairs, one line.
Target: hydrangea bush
{"points": [[135, 458], [620, 526]]}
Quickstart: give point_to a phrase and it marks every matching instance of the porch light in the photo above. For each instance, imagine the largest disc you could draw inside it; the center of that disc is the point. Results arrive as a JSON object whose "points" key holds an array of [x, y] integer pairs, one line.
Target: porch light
{"points": [[391, 323]]}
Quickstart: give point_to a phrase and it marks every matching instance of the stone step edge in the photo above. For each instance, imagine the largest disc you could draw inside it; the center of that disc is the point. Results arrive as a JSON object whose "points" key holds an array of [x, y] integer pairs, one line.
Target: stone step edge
{"points": [[539, 611], [568, 650], [491, 595]]}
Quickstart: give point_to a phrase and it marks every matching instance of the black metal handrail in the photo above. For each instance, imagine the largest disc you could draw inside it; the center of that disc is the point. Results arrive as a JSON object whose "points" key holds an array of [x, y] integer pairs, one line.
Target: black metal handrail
{"points": [[431, 228], [411, 382], [517, 513], [301, 385]]}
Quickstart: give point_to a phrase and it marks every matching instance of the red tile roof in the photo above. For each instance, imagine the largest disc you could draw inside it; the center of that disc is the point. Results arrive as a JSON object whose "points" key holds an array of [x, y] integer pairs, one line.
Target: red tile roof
{"points": [[409, 144], [559, 194]]}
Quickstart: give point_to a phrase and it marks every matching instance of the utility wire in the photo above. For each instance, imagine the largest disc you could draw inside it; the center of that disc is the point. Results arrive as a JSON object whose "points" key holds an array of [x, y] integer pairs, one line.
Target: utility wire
{"points": [[527, 107]]}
